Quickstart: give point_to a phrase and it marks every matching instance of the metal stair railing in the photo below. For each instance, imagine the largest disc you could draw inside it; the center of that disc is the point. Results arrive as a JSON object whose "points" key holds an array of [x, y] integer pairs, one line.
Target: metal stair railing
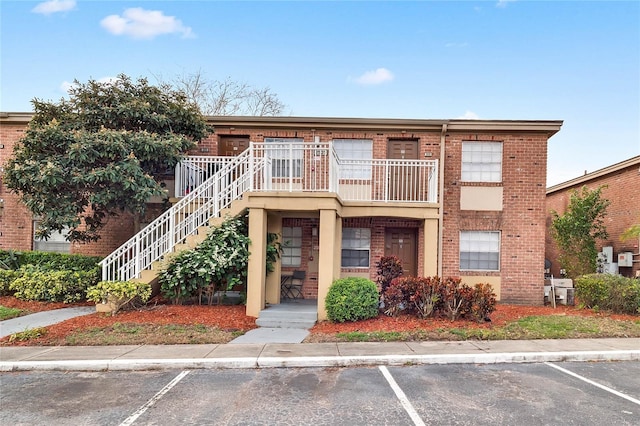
{"points": [[206, 201]]}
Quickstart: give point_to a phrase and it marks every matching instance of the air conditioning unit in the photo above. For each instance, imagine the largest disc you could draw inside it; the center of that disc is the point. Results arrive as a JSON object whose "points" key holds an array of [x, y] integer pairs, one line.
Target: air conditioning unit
{"points": [[625, 259]]}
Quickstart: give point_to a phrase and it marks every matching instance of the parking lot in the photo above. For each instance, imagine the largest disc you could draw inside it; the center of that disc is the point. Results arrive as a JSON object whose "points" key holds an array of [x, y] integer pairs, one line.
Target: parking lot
{"points": [[541, 393]]}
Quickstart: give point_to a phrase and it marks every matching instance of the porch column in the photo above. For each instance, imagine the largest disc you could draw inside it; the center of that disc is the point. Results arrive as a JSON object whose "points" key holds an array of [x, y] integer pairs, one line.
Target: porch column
{"points": [[329, 256], [430, 254], [256, 274], [274, 225]]}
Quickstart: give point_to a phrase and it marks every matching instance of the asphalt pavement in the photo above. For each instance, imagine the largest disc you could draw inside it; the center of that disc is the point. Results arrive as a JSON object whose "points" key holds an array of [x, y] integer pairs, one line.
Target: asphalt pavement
{"points": [[275, 354]]}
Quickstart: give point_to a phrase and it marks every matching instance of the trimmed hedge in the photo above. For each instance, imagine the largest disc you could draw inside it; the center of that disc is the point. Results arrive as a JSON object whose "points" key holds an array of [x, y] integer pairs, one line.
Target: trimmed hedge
{"points": [[352, 299], [607, 292], [48, 261]]}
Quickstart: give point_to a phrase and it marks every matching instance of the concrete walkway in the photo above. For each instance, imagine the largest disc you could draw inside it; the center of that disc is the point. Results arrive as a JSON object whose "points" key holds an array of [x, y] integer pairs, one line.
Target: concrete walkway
{"points": [[42, 319]]}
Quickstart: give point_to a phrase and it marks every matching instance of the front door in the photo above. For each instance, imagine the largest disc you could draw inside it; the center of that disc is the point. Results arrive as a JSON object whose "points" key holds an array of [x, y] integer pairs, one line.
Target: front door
{"points": [[401, 242], [230, 146], [403, 178]]}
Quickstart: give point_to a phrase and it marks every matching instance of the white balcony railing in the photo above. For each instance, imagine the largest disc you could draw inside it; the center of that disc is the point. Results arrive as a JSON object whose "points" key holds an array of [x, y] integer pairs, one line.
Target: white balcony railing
{"points": [[209, 184]]}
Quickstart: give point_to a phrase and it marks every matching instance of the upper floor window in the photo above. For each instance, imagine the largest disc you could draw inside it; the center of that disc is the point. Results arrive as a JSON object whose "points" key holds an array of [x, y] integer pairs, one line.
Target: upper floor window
{"points": [[285, 161], [356, 246], [482, 161], [291, 246], [360, 151], [479, 250]]}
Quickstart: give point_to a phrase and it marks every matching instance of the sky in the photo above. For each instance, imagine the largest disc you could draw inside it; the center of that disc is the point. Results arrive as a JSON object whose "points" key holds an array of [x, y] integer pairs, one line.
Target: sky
{"points": [[575, 61]]}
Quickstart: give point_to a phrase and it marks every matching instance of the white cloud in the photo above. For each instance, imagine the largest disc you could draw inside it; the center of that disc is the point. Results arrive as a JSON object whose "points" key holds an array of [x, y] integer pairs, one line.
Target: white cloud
{"points": [[54, 6], [469, 115], [463, 44], [504, 3], [378, 76], [145, 24]]}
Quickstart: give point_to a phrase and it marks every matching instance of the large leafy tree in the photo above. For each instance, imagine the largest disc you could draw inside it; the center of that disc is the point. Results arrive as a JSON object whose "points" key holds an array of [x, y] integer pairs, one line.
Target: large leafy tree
{"points": [[577, 231], [97, 153]]}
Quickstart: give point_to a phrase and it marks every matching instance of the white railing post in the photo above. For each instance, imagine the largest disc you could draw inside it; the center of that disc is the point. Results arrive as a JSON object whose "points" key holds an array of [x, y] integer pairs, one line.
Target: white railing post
{"points": [[387, 179], [251, 166]]}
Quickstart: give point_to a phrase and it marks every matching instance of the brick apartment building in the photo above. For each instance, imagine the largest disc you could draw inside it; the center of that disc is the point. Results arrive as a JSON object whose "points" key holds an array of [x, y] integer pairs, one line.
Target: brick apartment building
{"points": [[622, 181], [449, 197]]}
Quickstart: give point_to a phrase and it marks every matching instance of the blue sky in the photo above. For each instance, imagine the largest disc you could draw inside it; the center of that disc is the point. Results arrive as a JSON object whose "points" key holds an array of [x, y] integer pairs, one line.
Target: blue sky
{"points": [[532, 60]]}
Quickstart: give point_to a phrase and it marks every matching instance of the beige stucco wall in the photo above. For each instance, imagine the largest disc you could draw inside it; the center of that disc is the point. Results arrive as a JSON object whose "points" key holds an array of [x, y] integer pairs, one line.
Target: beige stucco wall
{"points": [[483, 198]]}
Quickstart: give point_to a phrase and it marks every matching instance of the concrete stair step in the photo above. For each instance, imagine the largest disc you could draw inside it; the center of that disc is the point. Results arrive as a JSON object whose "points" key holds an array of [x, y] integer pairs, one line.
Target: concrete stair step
{"points": [[284, 323]]}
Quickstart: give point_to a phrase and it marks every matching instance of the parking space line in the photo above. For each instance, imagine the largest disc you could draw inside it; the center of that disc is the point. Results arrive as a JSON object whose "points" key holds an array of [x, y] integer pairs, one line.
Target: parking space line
{"points": [[132, 418], [591, 382], [402, 397]]}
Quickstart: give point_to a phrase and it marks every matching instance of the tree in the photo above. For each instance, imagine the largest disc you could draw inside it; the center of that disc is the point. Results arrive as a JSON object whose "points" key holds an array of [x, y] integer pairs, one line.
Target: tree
{"points": [[632, 232], [95, 155], [227, 97], [577, 231]]}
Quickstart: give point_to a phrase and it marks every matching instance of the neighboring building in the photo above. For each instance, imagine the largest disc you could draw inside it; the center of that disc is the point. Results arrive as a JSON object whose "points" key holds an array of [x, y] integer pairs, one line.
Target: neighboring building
{"points": [[449, 197], [622, 181]]}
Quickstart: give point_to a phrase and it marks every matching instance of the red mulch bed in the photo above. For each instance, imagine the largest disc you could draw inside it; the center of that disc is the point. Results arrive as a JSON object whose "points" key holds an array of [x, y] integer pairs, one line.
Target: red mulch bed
{"points": [[234, 318]]}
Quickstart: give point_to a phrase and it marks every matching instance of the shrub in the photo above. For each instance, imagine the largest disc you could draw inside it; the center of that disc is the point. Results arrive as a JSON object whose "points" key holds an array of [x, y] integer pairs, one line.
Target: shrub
{"points": [[431, 296], [217, 264], [388, 268], [483, 301], [420, 296], [456, 298], [121, 293], [6, 278], [609, 292], [52, 286], [48, 261], [352, 299]]}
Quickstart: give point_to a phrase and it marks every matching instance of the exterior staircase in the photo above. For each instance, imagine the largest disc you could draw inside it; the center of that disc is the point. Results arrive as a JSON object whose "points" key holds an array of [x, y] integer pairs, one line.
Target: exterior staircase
{"points": [[302, 313]]}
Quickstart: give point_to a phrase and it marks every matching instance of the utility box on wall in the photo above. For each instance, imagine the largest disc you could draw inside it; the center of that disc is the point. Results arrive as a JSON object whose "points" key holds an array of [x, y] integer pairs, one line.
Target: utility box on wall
{"points": [[625, 259]]}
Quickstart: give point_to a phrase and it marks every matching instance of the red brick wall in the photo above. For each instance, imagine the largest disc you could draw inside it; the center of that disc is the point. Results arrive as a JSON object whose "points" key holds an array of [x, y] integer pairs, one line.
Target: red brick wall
{"points": [[16, 226], [521, 222], [623, 191]]}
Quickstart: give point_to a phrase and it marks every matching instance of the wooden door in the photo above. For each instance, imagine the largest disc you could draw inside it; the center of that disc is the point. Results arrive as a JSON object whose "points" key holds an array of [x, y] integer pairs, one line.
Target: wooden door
{"points": [[402, 243], [403, 179], [230, 146]]}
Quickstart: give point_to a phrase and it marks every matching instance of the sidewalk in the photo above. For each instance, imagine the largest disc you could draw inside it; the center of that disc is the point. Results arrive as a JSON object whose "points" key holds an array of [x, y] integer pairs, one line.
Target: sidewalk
{"points": [[273, 355]]}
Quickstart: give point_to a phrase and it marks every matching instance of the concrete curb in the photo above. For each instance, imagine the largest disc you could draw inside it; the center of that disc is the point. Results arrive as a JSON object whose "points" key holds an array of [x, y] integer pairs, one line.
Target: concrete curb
{"points": [[320, 361]]}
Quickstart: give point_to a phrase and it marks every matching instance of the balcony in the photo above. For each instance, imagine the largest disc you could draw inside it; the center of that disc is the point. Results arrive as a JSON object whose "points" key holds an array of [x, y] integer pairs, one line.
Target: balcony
{"points": [[315, 167]]}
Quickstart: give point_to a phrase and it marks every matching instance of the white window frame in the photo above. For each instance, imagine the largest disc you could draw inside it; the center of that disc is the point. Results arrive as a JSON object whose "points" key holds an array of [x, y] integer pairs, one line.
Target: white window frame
{"points": [[356, 241], [280, 161], [360, 150], [291, 246], [56, 243], [480, 250], [481, 161]]}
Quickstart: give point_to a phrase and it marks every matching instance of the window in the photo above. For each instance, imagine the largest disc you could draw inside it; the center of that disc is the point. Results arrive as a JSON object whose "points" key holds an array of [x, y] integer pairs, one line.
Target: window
{"points": [[282, 159], [356, 243], [480, 250], [354, 149], [57, 241], [481, 161], [291, 246]]}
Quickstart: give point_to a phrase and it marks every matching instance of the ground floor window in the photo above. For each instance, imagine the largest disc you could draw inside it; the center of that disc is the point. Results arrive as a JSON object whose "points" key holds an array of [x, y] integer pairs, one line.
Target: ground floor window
{"points": [[291, 246], [57, 242], [480, 250], [356, 247]]}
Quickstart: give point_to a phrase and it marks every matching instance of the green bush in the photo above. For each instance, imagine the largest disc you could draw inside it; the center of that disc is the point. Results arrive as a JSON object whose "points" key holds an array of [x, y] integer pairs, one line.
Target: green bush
{"points": [[48, 261], [352, 299], [217, 264], [121, 293], [52, 286], [607, 292], [7, 276]]}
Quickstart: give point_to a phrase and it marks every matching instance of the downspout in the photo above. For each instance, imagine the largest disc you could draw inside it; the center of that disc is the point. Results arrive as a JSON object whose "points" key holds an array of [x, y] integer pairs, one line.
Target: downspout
{"points": [[443, 135]]}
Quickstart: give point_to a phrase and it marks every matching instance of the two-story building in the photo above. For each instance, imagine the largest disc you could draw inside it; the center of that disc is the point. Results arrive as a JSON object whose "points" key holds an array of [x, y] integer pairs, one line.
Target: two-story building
{"points": [[448, 197]]}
